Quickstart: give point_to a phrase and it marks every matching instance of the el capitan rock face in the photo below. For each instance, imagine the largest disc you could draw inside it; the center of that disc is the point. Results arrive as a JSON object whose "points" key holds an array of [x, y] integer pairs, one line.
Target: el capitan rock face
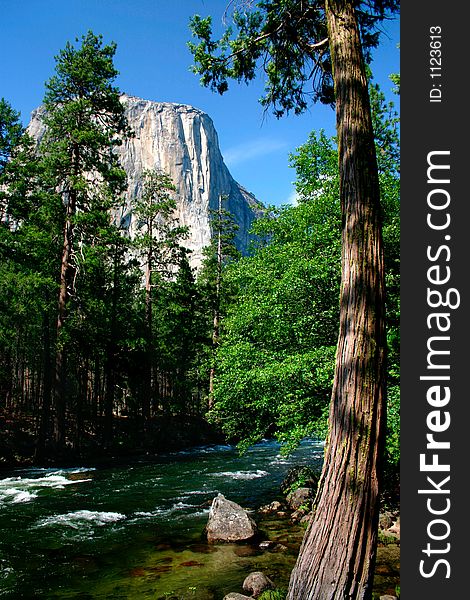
{"points": [[181, 141]]}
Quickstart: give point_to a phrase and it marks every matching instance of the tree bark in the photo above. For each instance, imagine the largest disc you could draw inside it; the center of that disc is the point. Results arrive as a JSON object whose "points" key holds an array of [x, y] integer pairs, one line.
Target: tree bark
{"points": [[65, 283], [337, 557], [45, 406], [59, 394], [110, 360]]}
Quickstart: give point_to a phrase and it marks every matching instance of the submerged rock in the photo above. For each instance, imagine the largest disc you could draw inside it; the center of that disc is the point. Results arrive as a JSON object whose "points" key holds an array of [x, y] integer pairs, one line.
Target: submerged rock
{"points": [[229, 522], [270, 509], [256, 583], [267, 545]]}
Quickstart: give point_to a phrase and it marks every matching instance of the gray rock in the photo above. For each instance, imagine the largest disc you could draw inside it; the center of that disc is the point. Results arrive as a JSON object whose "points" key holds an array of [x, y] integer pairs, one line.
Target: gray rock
{"points": [[280, 548], [229, 522], [301, 498], [268, 509], [388, 597], [267, 545], [385, 520], [256, 583], [299, 476], [235, 596], [181, 141], [395, 528]]}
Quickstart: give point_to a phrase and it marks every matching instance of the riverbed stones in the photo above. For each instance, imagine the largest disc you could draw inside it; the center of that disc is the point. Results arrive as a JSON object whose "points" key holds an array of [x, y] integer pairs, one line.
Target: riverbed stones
{"points": [[256, 583], [229, 522], [270, 509], [300, 499], [267, 545]]}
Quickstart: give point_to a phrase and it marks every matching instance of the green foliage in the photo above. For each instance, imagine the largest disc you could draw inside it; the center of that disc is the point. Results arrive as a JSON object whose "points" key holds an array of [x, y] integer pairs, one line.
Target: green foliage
{"points": [[276, 357], [11, 131], [278, 341], [278, 594], [158, 234], [133, 346], [298, 477], [288, 40]]}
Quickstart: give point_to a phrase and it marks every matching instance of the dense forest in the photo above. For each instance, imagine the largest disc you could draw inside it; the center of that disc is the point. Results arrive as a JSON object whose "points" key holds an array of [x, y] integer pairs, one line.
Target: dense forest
{"points": [[103, 336]]}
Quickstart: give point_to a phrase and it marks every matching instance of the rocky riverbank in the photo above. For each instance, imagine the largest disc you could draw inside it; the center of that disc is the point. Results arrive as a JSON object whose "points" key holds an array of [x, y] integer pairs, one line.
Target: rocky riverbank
{"points": [[285, 520]]}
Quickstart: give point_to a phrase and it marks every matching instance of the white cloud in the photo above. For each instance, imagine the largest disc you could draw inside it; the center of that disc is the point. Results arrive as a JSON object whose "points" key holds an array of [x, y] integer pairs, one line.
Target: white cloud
{"points": [[252, 149], [293, 198]]}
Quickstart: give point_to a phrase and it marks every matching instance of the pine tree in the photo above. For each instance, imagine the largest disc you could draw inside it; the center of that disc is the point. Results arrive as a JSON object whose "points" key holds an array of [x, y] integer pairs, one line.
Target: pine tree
{"points": [[158, 244], [84, 119], [28, 257], [218, 254]]}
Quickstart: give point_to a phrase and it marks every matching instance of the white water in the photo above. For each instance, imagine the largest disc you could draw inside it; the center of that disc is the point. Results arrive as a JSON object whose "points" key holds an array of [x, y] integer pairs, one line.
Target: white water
{"points": [[16, 490], [80, 517]]}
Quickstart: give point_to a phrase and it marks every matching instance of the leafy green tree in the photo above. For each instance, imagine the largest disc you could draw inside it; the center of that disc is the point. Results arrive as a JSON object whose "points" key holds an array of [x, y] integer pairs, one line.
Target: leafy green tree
{"points": [[84, 119], [322, 43], [277, 349]]}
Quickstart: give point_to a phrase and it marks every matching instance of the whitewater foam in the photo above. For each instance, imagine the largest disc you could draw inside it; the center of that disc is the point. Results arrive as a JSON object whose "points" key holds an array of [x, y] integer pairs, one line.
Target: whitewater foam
{"points": [[82, 517], [15, 490], [242, 474]]}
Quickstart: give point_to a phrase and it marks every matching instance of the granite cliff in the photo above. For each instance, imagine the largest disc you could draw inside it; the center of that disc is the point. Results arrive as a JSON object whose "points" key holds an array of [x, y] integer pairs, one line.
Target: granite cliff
{"points": [[182, 141]]}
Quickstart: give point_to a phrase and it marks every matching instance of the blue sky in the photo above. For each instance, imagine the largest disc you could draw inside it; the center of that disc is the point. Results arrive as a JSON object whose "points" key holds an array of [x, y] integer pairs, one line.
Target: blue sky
{"points": [[154, 63]]}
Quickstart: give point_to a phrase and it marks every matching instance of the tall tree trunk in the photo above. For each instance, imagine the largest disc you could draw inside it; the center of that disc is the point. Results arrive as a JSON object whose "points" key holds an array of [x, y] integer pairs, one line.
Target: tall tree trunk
{"points": [[148, 361], [65, 284], [45, 410], [110, 360], [59, 392], [64, 287], [216, 321], [337, 556]]}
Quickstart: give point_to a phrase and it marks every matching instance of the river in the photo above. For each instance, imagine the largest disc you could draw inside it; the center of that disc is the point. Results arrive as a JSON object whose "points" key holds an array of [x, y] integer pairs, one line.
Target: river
{"points": [[135, 530]]}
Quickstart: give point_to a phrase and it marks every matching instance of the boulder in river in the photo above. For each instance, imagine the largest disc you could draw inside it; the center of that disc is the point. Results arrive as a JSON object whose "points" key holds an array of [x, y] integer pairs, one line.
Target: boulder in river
{"points": [[256, 583], [300, 499], [229, 522]]}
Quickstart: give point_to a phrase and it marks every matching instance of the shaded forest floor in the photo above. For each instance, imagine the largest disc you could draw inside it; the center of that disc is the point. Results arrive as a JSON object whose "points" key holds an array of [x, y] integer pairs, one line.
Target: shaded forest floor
{"points": [[19, 440]]}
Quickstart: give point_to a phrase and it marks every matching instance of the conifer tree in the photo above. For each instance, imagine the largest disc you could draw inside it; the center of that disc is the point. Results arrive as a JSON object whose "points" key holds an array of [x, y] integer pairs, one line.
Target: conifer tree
{"points": [[84, 120], [218, 254], [29, 228], [158, 244]]}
